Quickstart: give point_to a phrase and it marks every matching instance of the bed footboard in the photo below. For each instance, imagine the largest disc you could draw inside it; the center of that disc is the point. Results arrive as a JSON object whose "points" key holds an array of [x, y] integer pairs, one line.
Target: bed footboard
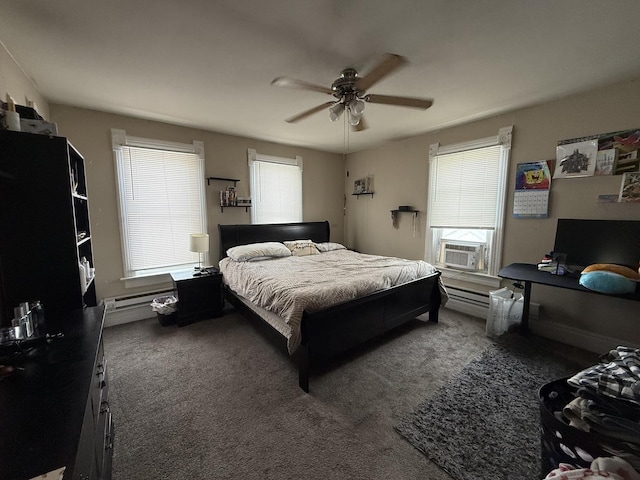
{"points": [[335, 330]]}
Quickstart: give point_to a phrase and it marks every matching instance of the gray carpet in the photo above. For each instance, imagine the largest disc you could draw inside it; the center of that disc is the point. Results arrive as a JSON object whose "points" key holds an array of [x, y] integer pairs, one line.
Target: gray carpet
{"points": [[484, 424], [216, 400]]}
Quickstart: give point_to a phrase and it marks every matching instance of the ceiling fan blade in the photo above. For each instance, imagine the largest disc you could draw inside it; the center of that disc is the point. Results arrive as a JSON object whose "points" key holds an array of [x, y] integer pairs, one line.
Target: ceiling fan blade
{"points": [[309, 112], [362, 125], [422, 103], [294, 83], [388, 64]]}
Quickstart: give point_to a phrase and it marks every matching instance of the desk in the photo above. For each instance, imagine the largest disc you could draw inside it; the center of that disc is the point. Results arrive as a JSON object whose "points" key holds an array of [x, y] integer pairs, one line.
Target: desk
{"points": [[529, 273]]}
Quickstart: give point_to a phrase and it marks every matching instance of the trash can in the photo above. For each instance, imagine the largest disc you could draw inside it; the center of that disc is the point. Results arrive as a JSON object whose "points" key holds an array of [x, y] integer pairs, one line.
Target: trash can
{"points": [[167, 309]]}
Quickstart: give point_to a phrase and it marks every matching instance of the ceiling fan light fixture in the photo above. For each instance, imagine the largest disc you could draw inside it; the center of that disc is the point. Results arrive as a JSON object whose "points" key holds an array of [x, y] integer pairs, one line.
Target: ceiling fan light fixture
{"points": [[354, 119], [335, 111], [356, 107]]}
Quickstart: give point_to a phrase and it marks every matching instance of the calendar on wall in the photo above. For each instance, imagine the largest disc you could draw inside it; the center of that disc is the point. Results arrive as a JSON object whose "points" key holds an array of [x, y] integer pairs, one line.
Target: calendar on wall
{"points": [[531, 196]]}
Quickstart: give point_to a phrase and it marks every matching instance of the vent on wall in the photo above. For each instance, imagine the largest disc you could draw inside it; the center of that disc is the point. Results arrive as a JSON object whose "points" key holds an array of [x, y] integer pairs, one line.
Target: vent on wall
{"points": [[130, 308]]}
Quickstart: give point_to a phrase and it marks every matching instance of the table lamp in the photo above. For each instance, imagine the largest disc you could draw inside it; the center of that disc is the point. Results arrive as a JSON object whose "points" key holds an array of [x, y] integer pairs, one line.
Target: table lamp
{"points": [[199, 242]]}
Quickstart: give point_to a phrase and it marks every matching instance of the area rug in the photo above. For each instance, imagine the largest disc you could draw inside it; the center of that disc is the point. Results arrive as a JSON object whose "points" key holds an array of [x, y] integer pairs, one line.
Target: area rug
{"points": [[485, 422]]}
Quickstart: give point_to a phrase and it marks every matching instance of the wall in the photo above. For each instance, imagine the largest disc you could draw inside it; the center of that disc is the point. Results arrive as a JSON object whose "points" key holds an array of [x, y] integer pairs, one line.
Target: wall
{"points": [[400, 170], [225, 156], [21, 88]]}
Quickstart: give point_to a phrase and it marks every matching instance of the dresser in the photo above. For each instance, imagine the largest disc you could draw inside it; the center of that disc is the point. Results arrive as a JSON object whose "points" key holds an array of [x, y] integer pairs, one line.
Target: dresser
{"points": [[54, 408]]}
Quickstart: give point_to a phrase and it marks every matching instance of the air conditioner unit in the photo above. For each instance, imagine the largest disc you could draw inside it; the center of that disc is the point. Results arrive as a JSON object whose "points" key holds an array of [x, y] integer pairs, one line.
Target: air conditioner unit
{"points": [[463, 255]]}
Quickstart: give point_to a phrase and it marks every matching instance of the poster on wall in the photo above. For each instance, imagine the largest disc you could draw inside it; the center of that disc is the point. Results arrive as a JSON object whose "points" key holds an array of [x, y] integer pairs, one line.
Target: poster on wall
{"points": [[618, 152], [630, 189], [605, 161], [576, 159], [533, 183]]}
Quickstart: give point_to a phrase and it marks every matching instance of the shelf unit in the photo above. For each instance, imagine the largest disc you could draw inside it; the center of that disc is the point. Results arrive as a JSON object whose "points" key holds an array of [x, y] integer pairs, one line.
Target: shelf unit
{"points": [[235, 182], [45, 212]]}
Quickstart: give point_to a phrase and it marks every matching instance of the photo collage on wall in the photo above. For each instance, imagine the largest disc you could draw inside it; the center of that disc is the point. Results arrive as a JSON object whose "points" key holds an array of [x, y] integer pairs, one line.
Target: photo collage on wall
{"points": [[616, 153]]}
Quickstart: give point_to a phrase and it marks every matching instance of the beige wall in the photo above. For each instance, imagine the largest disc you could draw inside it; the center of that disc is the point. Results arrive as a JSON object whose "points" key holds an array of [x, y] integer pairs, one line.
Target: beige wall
{"points": [[14, 82], [400, 170], [225, 156], [400, 178]]}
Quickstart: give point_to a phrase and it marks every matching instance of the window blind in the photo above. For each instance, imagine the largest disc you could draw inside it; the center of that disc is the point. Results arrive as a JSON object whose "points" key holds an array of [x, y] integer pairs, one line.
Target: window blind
{"points": [[465, 189], [162, 195], [276, 189]]}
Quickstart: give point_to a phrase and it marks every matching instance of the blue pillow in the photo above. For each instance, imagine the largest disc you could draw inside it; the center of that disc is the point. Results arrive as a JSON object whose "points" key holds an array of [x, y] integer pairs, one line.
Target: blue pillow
{"points": [[607, 282]]}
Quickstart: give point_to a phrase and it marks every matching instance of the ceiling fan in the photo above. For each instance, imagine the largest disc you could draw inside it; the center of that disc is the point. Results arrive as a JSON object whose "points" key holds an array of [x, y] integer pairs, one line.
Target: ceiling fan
{"points": [[350, 90]]}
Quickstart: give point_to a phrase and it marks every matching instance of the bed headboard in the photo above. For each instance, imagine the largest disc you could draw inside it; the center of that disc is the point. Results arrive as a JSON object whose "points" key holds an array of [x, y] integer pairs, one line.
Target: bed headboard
{"points": [[232, 235]]}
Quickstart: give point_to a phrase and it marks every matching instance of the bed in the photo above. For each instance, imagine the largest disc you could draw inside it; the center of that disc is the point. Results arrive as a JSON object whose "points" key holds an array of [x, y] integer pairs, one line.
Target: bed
{"points": [[312, 332]]}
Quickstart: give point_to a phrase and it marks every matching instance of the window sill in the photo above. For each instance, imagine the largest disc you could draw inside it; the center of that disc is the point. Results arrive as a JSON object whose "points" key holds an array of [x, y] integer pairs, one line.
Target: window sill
{"points": [[470, 277], [152, 278]]}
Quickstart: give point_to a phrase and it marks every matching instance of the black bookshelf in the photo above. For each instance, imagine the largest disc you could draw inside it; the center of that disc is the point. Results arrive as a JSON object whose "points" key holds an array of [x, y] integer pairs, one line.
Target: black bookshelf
{"points": [[44, 224]]}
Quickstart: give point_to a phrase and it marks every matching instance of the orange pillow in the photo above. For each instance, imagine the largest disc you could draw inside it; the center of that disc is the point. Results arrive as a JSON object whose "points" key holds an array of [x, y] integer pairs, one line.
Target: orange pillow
{"points": [[610, 267]]}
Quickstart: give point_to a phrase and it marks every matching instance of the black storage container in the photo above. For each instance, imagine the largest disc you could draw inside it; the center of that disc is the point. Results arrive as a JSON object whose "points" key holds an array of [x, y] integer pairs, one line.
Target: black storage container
{"points": [[560, 442]]}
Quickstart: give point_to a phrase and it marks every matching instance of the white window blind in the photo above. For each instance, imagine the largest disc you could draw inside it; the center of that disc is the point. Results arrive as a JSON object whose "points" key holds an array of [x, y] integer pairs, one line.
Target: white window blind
{"points": [[161, 197], [464, 189], [466, 203], [276, 188]]}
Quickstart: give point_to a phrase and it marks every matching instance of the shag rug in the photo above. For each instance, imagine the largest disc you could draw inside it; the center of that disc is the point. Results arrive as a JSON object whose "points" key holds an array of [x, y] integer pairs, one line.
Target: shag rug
{"points": [[485, 422]]}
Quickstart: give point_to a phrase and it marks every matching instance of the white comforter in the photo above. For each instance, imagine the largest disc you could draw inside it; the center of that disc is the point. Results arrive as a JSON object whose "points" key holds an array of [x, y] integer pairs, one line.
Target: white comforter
{"points": [[289, 286]]}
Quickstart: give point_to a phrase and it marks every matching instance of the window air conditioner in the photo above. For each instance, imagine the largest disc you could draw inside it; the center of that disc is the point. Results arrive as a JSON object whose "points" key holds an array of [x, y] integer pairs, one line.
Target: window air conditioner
{"points": [[465, 256]]}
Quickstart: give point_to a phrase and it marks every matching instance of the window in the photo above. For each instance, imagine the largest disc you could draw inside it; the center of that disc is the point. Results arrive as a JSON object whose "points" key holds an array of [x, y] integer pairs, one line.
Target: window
{"points": [[276, 188], [467, 191], [161, 201]]}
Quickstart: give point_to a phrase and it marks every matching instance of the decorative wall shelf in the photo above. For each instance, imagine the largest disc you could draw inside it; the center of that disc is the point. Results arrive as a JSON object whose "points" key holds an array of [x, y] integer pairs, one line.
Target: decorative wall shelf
{"points": [[246, 207], [414, 214], [235, 182], [222, 179], [357, 195]]}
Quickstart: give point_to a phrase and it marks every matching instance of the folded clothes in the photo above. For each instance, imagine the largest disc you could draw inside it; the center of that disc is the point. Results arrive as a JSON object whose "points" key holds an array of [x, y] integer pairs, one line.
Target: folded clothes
{"points": [[617, 376], [613, 406]]}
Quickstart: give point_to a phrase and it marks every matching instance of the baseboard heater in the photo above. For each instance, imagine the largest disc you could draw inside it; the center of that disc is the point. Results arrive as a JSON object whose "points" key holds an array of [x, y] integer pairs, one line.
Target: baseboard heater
{"points": [[476, 304], [130, 308], [465, 301]]}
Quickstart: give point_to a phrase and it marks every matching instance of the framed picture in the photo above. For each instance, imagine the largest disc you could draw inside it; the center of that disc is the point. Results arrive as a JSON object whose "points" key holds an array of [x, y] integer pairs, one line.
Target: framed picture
{"points": [[630, 189], [360, 186], [605, 161], [576, 159]]}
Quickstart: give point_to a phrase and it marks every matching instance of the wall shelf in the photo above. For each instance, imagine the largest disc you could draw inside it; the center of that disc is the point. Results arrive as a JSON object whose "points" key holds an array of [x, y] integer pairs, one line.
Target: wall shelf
{"points": [[222, 179], [357, 195], [414, 215], [246, 207], [396, 211]]}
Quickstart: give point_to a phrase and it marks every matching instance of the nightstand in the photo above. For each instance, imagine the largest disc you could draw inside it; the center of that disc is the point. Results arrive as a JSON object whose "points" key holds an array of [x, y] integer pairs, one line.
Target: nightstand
{"points": [[199, 296]]}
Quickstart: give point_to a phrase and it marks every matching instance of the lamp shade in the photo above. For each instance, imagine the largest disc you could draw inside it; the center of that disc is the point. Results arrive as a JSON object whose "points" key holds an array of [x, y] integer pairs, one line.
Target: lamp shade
{"points": [[199, 242]]}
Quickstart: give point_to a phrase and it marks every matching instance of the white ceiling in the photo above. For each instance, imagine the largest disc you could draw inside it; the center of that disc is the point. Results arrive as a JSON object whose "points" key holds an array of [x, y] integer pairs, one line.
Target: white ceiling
{"points": [[209, 63]]}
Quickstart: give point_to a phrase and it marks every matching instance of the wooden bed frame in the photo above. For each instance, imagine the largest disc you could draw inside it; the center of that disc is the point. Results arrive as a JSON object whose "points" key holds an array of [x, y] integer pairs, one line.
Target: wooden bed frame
{"points": [[334, 330]]}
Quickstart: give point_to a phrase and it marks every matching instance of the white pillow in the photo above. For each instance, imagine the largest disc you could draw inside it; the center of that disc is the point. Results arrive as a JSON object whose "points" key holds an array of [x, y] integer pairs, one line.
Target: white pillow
{"points": [[301, 248], [253, 251], [329, 246]]}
